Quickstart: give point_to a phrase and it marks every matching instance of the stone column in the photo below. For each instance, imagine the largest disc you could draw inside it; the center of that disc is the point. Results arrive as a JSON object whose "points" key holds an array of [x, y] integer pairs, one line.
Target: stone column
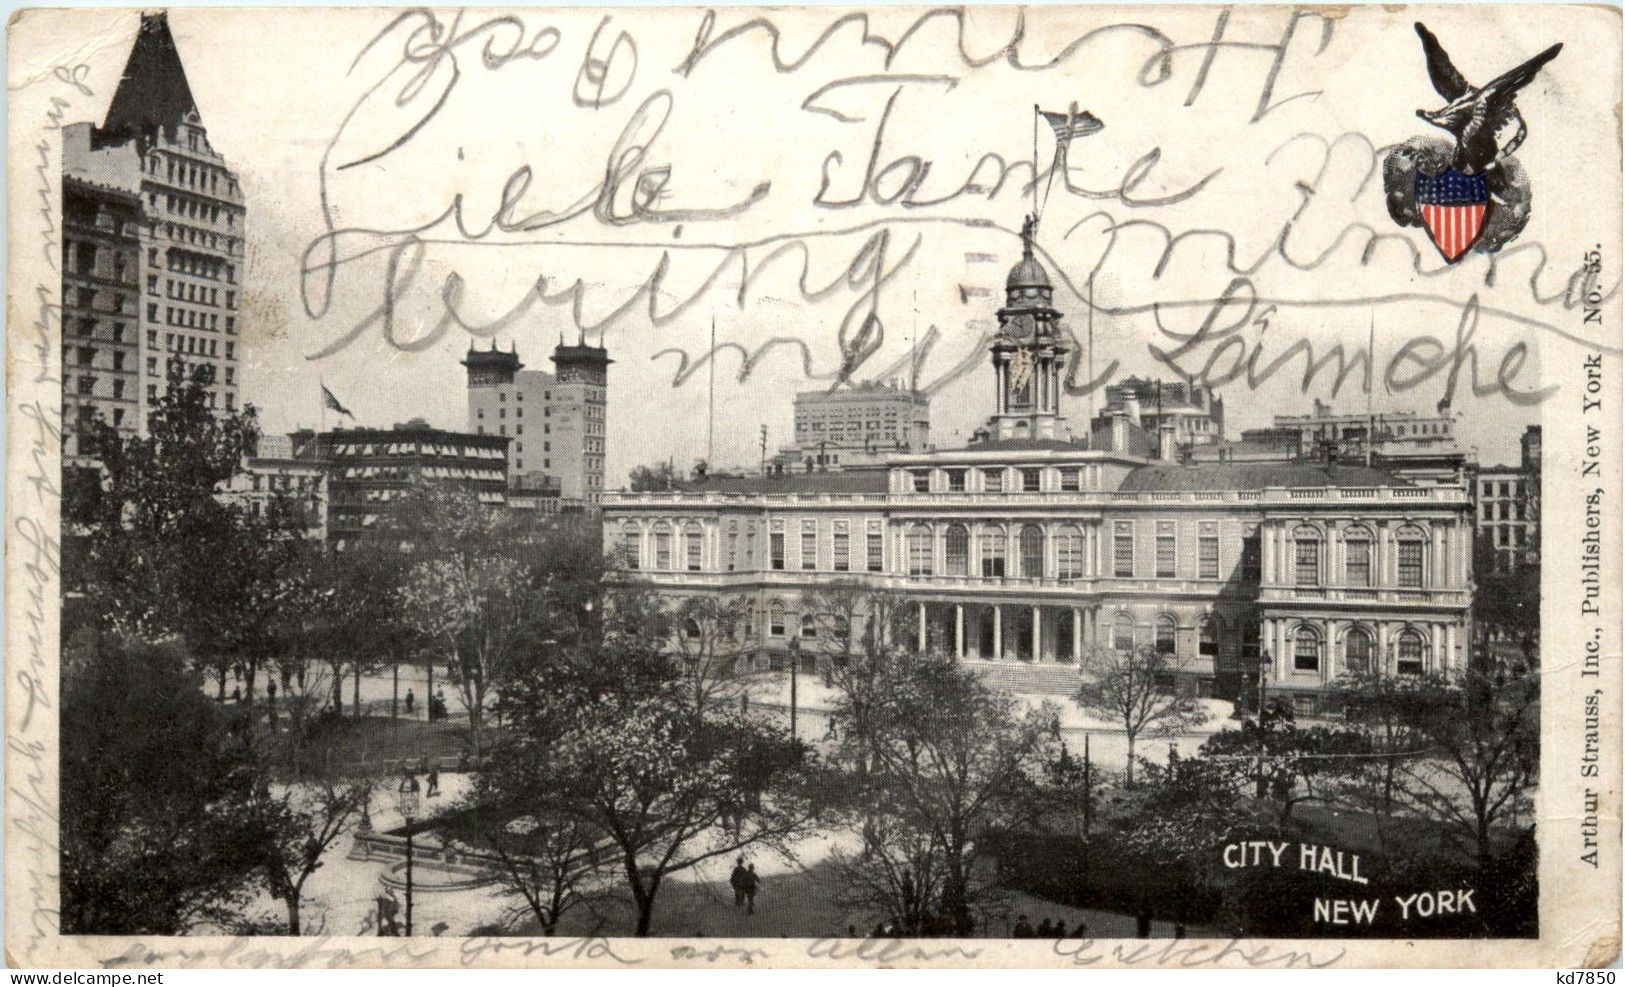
{"points": [[1038, 635], [959, 630], [1266, 542], [1077, 635], [921, 632], [998, 633]]}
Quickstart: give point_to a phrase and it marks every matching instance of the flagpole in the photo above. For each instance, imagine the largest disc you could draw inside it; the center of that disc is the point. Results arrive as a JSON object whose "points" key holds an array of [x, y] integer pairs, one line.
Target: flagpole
{"points": [[711, 400], [1370, 382], [1090, 321], [1035, 169]]}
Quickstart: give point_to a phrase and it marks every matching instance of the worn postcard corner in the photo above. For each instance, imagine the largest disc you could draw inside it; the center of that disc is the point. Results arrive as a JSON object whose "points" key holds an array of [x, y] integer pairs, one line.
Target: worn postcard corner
{"points": [[836, 487]]}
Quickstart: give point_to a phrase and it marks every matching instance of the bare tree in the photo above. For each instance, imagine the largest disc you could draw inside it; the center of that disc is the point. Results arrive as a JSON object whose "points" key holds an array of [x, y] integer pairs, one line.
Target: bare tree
{"points": [[1484, 737], [1133, 688], [951, 758], [711, 634], [549, 864], [864, 629], [298, 827]]}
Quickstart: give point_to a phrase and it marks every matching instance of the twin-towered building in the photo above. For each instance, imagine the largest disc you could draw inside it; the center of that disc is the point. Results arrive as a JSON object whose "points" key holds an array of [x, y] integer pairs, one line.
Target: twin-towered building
{"points": [[1032, 544]]}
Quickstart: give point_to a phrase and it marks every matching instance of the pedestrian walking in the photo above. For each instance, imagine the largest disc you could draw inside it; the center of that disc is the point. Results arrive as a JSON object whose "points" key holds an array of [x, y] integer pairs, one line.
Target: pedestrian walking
{"points": [[751, 881], [1023, 929], [434, 779], [736, 880]]}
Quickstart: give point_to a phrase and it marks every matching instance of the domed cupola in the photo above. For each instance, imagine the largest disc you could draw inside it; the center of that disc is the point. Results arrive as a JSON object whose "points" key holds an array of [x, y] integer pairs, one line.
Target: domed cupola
{"points": [[1029, 352], [1027, 281]]}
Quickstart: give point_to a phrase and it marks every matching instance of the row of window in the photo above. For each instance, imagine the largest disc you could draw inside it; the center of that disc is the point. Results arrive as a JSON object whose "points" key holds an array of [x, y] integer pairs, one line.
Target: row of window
{"points": [[1028, 479], [1502, 510]]}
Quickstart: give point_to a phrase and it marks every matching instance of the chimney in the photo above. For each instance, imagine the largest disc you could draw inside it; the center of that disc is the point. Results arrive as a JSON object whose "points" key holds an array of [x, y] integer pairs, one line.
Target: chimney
{"points": [[1165, 442], [1131, 408], [1120, 421]]}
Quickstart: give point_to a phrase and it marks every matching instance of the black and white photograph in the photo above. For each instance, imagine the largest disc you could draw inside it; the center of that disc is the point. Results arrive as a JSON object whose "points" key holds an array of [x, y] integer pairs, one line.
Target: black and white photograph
{"points": [[1050, 486]]}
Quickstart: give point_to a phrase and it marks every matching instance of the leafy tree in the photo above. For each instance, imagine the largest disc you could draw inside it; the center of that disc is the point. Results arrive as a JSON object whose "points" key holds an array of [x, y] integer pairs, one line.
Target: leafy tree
{"points": [[349, 616], [1290, 761], [467, 592], [660, 476], [951, 757], [667, 786], [155, 794], [1132, 688], [141, 519]]}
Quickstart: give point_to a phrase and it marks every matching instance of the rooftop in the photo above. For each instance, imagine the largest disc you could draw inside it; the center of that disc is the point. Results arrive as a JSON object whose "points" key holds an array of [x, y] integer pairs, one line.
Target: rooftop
{"points": [[844, 481], [1254, 476], [153, 92]]}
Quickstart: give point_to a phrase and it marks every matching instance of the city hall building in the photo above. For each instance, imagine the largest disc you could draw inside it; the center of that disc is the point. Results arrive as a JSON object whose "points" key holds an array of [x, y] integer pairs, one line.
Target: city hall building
{"points": [[1032, 545]]}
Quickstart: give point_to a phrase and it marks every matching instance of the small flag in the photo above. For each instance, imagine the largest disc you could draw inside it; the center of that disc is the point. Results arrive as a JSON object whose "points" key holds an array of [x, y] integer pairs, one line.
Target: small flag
{"points": [[1067, 126], [329, 401]]}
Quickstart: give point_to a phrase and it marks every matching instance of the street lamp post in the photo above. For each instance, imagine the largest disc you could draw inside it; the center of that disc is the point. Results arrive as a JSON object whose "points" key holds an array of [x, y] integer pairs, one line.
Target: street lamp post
{"points": [[408, 796], [795, 667], [1263, 680]]}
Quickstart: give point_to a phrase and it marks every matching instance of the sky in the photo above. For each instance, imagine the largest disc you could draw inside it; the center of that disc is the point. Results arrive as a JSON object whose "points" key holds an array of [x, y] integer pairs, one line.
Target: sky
{"points": [[827, 196]]}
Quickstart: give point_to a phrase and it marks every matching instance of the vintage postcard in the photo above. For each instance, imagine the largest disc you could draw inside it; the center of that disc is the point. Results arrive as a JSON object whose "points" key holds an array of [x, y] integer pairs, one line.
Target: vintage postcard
{"points": [[1077, 487]]}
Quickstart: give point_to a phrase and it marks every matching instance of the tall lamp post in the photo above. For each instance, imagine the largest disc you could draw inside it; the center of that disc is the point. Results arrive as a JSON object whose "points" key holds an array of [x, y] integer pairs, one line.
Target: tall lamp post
{"points": [[795, 668], [408, 802], [1264, 663]]}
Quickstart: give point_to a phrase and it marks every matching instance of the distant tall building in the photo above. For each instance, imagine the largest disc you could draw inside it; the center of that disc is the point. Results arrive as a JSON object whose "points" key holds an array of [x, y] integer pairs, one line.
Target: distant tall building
{"points": [[557, 420], [856, 426], [153, 225]]}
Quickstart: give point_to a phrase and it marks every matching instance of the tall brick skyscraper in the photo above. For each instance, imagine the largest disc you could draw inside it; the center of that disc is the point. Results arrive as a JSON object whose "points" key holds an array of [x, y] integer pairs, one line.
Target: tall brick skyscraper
{"points": [[152, 250]]}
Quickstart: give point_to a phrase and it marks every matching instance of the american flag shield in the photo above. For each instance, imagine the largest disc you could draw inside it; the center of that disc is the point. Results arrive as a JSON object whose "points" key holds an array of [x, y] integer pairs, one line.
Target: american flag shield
{"points": [[1453, 208]]}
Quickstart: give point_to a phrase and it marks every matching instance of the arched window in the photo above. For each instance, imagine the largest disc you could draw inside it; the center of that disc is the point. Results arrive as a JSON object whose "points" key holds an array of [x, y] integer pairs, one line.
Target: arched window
{"points": [[630, 554], [1411, 657], [1207, 641], [775, 620], [691, 547], [1357, 651], [662, 547], [1165, 635], [1411, 557], [1306, 556], [1306, 649], [919, 551], [1032, 551], [1357, 557], [958, 547], [809, 626], [691, 629], [1123, 633], [1069, 553], [841, 628], [993, 551]]}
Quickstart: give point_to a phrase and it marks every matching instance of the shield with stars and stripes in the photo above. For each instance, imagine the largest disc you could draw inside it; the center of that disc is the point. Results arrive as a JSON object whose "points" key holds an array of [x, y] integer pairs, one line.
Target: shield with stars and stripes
{"points": [[1453, 207]]}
